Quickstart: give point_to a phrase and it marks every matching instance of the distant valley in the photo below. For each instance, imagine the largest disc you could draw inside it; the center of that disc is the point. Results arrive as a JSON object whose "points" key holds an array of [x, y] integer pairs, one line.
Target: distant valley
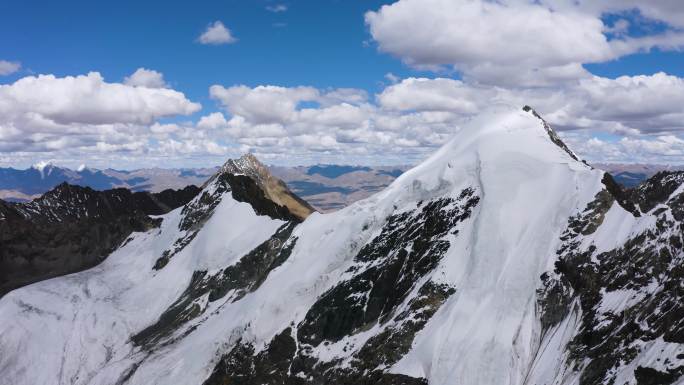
{"points": [[332, 187]]}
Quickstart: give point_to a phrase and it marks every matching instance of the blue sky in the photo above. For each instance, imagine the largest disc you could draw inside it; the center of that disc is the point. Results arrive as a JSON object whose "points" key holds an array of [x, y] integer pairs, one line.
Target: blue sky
{"points": [[328, 45], [319, 43]]}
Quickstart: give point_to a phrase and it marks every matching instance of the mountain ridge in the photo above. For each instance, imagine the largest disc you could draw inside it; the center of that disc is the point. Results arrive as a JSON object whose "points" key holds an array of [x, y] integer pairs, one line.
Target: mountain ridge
{"points": [[72, 228]]}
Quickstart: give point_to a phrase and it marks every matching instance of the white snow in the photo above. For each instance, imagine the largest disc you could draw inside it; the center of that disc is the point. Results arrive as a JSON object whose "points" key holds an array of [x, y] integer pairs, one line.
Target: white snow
{"points": [[617, 227], [42, 165], [486, 333], [76, 329], [551, 353], [618, 300]]}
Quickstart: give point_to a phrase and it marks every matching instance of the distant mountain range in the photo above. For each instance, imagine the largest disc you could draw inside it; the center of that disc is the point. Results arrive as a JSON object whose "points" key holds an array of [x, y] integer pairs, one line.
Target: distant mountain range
{"points": [[327, 187], [25, 185], [630, 175]]}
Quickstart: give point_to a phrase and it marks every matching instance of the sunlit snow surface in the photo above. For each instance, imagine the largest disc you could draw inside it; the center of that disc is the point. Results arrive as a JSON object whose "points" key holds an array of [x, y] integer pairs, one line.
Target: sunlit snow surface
{"points": [[76, 329]]}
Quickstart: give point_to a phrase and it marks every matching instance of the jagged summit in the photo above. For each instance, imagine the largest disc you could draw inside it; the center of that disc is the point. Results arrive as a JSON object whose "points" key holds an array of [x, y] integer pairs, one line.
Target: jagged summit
{"points": [[247, 164], [273, 188], [552, 134]]}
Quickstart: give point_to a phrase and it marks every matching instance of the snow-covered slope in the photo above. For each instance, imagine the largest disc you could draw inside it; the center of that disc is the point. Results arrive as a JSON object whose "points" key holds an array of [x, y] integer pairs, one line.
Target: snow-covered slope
{"points": [[460, 272]]}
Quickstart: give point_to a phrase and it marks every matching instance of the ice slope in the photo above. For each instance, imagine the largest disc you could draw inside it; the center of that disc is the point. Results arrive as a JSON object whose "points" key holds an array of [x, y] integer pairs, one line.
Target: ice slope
{"points": [[487, 332], [77, 329]]}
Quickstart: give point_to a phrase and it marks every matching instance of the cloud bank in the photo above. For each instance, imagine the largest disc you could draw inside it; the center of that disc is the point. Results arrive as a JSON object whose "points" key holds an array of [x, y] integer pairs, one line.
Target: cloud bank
{"points": [[481, 53]]}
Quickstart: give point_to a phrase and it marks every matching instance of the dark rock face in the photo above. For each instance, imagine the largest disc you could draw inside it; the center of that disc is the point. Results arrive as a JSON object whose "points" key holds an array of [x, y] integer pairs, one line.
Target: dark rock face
{"points": [[275, 366], [394, 342], [393, 272], [656, 189], [253, 181], [237, 280], [73, 228], [648, 271], [285, 361], [650, 376], [388, 288]]}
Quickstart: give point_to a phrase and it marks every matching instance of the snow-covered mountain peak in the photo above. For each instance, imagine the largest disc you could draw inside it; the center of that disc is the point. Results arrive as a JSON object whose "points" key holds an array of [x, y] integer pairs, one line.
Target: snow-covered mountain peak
{"points": [[505, 132], [43, 166], [496, 147], [511, 130]]}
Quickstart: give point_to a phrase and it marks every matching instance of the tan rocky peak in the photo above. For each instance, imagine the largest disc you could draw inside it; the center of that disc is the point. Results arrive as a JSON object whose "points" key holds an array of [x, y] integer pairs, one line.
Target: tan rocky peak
{"points": [[274, 188]]}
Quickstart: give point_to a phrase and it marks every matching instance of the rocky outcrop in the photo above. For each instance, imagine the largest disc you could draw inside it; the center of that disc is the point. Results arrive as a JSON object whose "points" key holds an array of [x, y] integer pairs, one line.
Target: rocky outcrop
{"points": [[273, 188]]}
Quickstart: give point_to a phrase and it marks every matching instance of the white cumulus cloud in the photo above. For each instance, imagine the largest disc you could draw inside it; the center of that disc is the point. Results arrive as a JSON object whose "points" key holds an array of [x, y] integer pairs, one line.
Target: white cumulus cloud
{"points": [[78, 114], [409, 119], [216, 34], [263, 104], [88, 99], [514, 42], [143, 77], [8, 67]]}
